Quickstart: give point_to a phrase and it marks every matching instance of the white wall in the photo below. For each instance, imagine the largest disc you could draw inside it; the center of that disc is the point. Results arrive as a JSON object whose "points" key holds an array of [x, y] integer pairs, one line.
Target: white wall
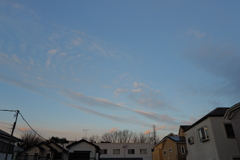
{"points": [[226, 147], [124, 150], [201, 150], [218, 147]]}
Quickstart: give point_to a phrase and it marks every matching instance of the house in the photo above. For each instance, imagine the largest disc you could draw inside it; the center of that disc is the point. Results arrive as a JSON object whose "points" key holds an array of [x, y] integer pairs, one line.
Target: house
{"points": [[171, 146], [209, 139], [47, 150], [233, 114], [126, 151], [174, 148], [83, 150], [157, 151], [4, 144]]}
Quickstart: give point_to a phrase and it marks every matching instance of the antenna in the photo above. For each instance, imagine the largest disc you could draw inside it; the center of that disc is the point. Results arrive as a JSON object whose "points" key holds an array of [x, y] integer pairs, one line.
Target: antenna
{"points": [[85, 130]]}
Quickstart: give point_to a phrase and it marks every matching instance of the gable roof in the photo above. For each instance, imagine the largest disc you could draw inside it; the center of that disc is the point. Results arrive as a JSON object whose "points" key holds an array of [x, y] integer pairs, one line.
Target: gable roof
{"points": [[231, 111], [164, 138], [217, 112], [6, 135], [83, 140], [46, 143], [57, 145]]}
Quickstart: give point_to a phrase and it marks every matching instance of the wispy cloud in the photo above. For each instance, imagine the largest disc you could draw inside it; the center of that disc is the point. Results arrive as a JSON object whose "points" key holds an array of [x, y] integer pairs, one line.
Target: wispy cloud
{"points": [[120, 90], [21, 84], [91, 101], [196, 33], [221, 62], [115, 118], [113, 130], [159, 118]]}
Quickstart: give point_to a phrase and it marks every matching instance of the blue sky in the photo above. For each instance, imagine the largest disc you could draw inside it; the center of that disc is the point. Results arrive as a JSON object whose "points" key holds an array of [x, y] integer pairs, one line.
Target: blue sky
{"points": [[108, 65]]}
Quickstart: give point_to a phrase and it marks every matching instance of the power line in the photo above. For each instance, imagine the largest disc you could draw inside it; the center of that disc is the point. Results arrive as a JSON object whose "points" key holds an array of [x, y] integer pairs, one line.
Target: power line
{"points": [[31, 127], [8, 110]]}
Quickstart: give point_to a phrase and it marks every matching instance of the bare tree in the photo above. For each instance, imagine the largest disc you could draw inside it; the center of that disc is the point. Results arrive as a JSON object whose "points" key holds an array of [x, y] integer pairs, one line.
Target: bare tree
{"points": [[94, 139], [29, 139], [127, 136]]}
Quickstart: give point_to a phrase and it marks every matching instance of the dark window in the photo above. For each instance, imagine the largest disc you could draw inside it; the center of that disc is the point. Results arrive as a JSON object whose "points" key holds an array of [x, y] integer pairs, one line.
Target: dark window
{"points": [[143, 151], [103, 151], [36, 156], [116, 151], [165, 152], [131, 151], [190, 140], [203, 134], [1, 146], [182, 149], [57, 155], [229, 130]]}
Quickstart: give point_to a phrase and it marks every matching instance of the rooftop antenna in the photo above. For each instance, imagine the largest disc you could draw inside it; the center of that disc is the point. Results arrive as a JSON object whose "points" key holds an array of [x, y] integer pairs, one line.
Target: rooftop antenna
{"points": [[85, 130]]}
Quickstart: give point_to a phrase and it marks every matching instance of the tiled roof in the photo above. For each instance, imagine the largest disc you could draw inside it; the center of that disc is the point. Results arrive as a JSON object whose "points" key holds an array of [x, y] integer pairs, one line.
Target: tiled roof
{"points": [[184, 127], [177, 138], [217, 112]]}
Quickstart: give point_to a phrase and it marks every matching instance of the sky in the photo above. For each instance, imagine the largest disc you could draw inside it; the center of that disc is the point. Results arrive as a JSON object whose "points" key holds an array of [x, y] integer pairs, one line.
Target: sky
{"points": [[102, 66]]}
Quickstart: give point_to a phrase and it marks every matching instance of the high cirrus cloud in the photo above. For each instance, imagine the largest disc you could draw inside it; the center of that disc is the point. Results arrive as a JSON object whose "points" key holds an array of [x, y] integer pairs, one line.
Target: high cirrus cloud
{"points": [[115, 118], [91, 101]]}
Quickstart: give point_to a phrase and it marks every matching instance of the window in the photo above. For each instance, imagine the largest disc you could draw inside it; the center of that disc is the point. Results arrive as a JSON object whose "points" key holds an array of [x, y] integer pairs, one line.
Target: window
{"points": [[229, 130], [1, 146], [103, 151], [203, 134], [182, 149], [170, 149], [57, 155], [190, 140], [116, 151], [165, 152], [131, 151], [143, 151]]}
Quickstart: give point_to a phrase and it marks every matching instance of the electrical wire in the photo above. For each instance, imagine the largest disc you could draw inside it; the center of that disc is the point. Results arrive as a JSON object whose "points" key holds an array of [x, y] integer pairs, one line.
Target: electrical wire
{"points": [[31, 127]]}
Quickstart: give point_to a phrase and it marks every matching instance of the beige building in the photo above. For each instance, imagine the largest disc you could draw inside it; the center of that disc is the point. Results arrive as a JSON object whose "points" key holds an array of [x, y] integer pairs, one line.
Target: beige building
{"points": [[210, 138], [171, 147]]}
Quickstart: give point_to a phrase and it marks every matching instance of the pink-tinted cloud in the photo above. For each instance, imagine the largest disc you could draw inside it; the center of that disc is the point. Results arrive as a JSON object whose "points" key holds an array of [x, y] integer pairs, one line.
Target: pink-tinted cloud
{"points": [[137, 90], [159, 128], [147, 131], [136, 84], [120, 90], [52, 52], [24, 129], [113, 130]]}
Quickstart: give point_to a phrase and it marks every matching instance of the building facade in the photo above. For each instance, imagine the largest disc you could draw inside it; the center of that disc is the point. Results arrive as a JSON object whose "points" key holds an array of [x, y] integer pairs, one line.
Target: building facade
{"points": [[209, 139], [4, 145], [127, 151]]}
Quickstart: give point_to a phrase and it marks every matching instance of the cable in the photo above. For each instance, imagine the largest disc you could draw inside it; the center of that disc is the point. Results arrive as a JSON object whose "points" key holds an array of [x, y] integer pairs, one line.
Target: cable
{"points": [[31, 127], [8, 110]]}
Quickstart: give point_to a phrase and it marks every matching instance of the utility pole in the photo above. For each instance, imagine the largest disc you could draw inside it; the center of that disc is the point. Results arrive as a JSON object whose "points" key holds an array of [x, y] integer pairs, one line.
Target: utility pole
{"points": [[10, 140]]}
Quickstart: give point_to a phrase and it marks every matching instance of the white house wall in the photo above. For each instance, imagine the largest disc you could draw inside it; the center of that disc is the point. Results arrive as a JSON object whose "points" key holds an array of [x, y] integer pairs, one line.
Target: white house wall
{"points": [[201, 150], [124, 150], [226, 146]]}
